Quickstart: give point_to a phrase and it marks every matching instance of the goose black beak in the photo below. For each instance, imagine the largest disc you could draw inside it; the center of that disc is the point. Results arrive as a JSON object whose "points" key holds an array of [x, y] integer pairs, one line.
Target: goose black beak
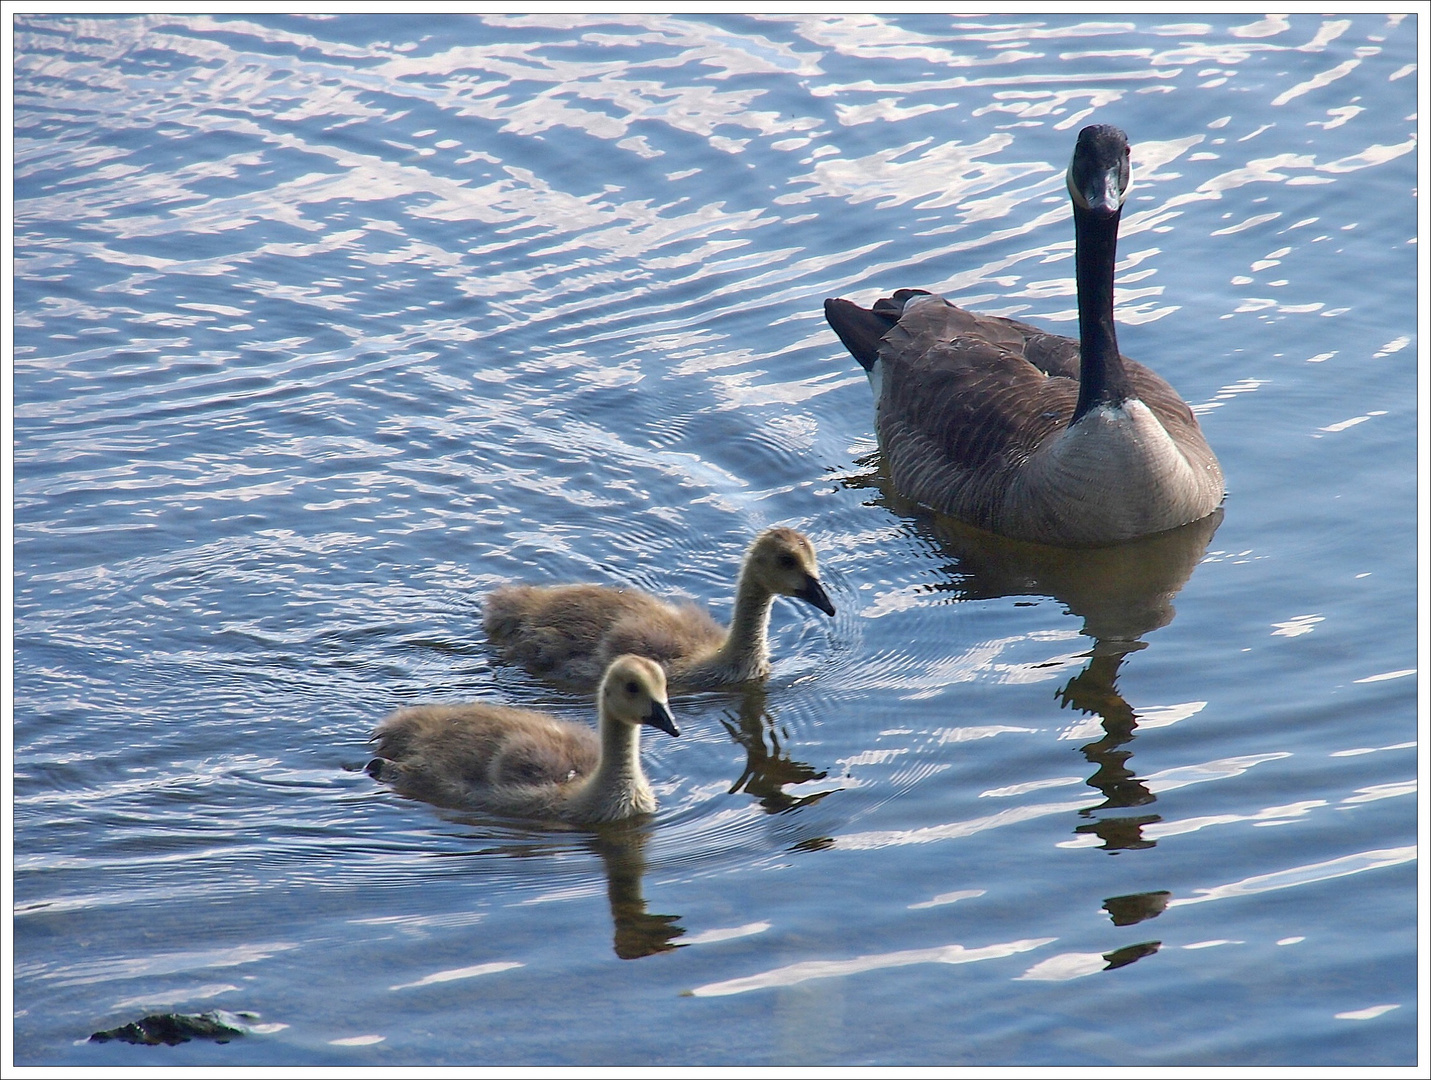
{"points": [[814, 593], [660, 717]]}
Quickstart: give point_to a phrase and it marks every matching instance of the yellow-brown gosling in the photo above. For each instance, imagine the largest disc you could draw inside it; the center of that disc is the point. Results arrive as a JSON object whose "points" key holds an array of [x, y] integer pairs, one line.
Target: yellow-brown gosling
{"points": [[528, 764], [569, 633]]}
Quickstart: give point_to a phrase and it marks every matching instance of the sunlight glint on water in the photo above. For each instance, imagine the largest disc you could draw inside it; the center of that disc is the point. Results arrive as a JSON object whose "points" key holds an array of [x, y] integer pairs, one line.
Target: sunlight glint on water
{"points": [[325, 326]]}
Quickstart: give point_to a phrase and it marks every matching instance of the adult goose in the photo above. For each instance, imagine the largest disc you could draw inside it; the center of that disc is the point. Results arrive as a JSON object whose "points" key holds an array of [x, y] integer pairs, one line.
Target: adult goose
{"points": [[528, 764], [569, 633], [1023, 433]]}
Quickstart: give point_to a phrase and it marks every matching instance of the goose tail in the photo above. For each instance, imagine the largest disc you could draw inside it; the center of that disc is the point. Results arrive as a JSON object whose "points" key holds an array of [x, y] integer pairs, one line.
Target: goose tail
{"points": [[858, 329]]}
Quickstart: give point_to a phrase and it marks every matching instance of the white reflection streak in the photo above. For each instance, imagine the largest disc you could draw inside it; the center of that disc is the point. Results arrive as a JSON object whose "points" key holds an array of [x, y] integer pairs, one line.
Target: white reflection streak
{"points": [[1032, 785], [1222, 769], [1358, 750], [1376, 154], [1151, 716], [1382, 791], [947, 898], [575, 892], [871, 37], [728, 933], [1267, 26], [165, 963], [1273, 815], [827, 969], [175, 997], [461, 973], [1342, 425], [1304, 875], [970, 734], [1366, 1014], [1296, 626], [1316, 82], [868, 841], [1156, 716], [1065, 966], [423, 922]]}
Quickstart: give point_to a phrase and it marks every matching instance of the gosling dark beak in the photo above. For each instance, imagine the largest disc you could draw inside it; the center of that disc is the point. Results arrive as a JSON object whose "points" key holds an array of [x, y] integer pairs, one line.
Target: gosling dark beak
{"points": [[660, 717], [814, 593]]}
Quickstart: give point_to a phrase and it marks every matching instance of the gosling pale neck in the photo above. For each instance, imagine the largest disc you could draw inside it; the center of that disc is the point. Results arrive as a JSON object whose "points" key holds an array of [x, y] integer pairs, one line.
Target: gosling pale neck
{"points": [[745, 646]]}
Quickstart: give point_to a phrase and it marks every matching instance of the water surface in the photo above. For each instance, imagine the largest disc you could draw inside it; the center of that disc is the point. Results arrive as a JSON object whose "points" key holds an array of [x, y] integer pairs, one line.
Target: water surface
{"points": [[324, 326]]}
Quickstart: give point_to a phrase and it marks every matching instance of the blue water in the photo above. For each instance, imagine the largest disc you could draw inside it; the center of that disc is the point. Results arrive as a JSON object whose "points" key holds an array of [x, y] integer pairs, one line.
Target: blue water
{"points": [[325, 326]]}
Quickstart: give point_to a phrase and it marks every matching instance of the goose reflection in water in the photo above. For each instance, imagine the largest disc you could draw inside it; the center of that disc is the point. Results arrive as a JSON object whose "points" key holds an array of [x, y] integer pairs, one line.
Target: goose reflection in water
{"points": [[1120, 592]]}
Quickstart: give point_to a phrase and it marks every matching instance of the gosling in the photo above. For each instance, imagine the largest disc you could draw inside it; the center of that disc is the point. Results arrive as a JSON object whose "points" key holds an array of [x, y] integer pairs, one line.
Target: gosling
{"points": [[528, 764], [569, 633]]}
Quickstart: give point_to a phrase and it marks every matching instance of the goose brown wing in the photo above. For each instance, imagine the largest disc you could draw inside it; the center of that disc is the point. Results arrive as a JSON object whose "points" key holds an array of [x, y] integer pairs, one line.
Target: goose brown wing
{"points": [[1023, 405], [1153, 390], [1050, 353], [965, 384], [1056, 355]]}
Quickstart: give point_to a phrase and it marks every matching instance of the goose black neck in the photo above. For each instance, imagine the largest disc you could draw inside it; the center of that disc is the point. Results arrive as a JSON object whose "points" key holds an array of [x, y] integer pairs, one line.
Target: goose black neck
{"points": [[1102, 380]]}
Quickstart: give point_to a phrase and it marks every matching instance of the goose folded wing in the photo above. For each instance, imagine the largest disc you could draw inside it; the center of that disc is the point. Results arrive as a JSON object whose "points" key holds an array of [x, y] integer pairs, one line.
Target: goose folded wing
{"points": [[981, 403]]}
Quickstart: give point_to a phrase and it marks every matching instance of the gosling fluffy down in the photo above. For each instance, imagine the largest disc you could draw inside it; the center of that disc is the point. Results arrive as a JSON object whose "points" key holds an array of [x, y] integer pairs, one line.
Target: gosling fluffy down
{"points": [[569, 633], [529, 764]]}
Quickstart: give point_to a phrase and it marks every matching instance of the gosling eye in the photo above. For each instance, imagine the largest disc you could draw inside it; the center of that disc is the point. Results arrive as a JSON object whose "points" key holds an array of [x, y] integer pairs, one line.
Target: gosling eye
{"points": [[632, 689], [786, 561]]}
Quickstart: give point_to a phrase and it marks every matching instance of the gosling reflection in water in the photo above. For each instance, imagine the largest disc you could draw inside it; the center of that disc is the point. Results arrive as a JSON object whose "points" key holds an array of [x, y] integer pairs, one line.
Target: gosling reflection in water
{"points": [[520, 763], [622, 849], [1121, 593], [768, 769]]}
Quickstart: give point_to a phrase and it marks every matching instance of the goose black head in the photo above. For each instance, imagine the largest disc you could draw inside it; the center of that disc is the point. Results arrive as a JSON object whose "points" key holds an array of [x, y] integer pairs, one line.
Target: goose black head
{"points": [[1098, 176]]}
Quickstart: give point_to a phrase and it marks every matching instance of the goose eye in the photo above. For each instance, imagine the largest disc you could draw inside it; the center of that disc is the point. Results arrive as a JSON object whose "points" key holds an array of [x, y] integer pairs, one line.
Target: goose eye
{"points": [[632, 688], [787, 561]]}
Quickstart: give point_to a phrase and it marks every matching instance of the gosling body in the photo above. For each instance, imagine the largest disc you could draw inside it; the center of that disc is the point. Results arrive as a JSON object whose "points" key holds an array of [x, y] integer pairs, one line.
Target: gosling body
{"points": [[529, 764], [568, 633]]}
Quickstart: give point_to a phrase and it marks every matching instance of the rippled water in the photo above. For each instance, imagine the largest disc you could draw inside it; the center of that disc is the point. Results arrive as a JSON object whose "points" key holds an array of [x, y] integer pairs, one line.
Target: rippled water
{"points": [[324, 326]]}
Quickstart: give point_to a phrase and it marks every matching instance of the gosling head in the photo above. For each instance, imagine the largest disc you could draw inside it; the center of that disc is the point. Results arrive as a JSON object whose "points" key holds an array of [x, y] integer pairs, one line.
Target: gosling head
{"points": [[783, 561], [633, 690], [1099, 177]]}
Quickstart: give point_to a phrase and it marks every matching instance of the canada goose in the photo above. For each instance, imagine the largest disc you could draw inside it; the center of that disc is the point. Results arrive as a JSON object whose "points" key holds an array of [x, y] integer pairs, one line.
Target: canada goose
{"points": [[569, 633], [1022, 433], [530, 764]]}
